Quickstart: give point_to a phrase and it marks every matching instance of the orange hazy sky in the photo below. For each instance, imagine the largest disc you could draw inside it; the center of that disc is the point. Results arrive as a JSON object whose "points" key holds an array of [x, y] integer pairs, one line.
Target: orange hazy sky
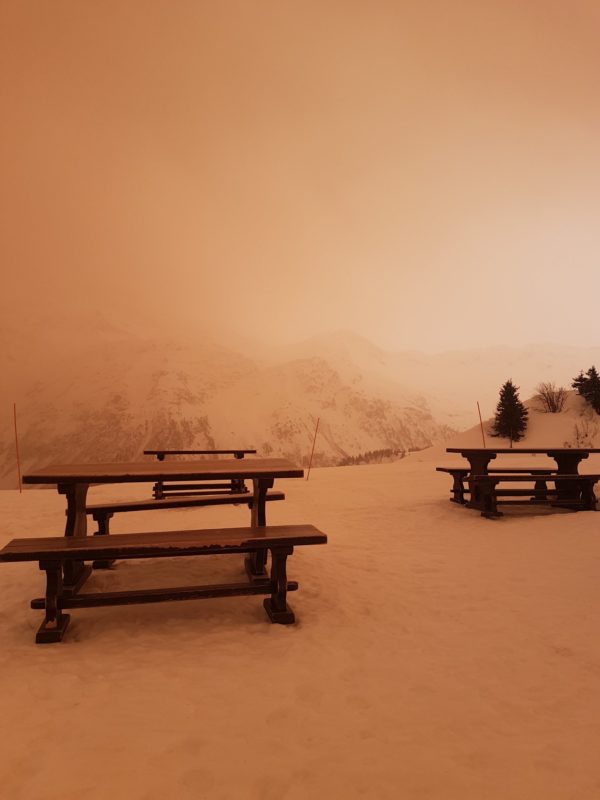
{"points": [[424, 173]]}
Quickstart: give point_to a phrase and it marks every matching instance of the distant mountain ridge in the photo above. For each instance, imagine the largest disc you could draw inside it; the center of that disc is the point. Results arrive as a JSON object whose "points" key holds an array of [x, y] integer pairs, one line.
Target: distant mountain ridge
{"points": [[91, 390], [110, 393], [452, 382]]}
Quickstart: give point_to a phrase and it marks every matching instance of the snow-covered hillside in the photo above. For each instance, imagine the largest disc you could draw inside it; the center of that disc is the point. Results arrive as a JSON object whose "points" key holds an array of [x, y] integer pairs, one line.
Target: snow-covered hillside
{"points": [[111, 391], [452, 382], [577, 425], [88, 389]]}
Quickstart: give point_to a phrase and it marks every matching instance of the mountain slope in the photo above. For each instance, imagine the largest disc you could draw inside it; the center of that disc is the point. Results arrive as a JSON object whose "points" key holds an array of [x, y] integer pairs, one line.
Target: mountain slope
{"points": [[577, 425], [110, 392]]}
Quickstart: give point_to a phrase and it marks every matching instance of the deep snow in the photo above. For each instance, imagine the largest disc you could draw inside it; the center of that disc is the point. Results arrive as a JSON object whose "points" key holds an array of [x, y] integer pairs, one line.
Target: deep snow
{"points": [[436, 655]]}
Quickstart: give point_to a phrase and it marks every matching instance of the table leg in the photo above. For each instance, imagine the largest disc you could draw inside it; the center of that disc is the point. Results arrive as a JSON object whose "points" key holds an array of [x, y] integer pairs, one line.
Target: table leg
{"points": [[256, 561], [75, 572], [478, 463], [568, 492], [158, 490]]}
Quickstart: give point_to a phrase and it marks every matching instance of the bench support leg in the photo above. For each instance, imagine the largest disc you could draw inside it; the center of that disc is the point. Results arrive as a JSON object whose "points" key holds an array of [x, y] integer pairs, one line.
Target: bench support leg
{"points": [[55, 622], [276, 606], [458, 489], [103, 521]]}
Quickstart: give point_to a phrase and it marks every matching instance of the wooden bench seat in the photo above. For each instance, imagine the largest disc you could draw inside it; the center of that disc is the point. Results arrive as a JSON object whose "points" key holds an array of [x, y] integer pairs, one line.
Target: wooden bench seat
{"points": [[53, 553], [460, 475], [102, 512], [574, 491]]}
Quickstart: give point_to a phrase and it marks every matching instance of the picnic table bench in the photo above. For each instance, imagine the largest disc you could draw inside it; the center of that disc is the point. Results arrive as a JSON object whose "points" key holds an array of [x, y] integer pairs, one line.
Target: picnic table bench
{"points": [[460, 474], [575, 492], [102, 513], [53, 553], [234, 485]]}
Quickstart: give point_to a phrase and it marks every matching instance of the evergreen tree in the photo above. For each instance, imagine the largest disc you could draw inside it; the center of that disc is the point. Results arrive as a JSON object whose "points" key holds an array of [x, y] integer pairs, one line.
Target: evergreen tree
{"points": [[588, 386], [511, 414]]}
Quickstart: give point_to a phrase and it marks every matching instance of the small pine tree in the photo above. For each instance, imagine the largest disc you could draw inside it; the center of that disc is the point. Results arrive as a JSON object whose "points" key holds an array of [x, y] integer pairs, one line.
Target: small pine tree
{"points": [[511, 414], [588, 386]]}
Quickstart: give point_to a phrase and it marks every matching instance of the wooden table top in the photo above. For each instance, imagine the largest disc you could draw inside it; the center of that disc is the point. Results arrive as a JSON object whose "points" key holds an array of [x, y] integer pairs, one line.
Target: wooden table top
{"points": [[196, 452], [142, 471], [574, 450]]}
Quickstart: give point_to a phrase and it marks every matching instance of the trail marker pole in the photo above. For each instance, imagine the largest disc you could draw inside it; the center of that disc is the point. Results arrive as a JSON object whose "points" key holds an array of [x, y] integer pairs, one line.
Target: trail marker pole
{"points": [[313, 447], [17, 447], [481, 424]]}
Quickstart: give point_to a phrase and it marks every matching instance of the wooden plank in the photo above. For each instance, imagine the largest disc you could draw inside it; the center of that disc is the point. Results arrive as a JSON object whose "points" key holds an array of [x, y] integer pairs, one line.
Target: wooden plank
{"points": [[533, 492], [517, 450], [180, 502], [195, 452], [209, 486], [139, 596], [560, 478], [147, 471], [161, 543]]}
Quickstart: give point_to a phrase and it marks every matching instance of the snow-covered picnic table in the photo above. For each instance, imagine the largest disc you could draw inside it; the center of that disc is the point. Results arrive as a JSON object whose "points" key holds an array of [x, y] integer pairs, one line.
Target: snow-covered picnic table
{"points": [[572, 489], [63, 557]]}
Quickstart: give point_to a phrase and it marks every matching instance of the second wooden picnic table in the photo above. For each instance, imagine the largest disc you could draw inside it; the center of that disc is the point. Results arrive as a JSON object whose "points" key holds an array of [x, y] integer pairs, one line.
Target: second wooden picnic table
{"points": [[567, 458], [236, 484], [567, 464]]}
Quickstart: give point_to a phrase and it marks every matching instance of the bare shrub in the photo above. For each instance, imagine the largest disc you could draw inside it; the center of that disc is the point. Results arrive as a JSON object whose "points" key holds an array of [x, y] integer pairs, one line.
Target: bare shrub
{"points": [[551, 398], [585, 433]]}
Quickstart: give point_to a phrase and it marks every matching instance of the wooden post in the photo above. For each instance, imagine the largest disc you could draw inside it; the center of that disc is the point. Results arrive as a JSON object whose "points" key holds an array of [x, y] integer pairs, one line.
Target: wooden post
{"points": [[481, 424], [313, 447], [17, 447]]}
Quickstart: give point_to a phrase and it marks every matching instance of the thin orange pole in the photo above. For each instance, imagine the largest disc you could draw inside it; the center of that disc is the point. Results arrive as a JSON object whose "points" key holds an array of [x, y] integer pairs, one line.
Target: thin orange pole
{"points": [[313, 447], [17, 446], [481, 423]]}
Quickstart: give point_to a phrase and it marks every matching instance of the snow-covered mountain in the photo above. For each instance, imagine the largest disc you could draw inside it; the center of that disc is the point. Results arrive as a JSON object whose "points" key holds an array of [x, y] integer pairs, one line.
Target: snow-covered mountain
{"points": [[111, 391], [89, 390], [451, 382]]}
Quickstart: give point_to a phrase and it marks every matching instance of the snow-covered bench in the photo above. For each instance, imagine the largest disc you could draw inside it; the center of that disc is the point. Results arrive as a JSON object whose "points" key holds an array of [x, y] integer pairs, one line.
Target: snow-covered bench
{"points": [[575, 491], [460, 475], [103, 512], [53, 553]]}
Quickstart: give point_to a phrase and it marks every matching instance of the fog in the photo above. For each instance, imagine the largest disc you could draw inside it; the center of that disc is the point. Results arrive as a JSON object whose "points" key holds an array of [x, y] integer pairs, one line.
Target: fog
{"points": [[426, 174]]}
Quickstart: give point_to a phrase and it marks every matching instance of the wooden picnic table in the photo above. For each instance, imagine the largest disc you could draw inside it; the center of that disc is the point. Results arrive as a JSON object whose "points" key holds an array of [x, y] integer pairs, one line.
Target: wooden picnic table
{"points": [[568, 492], [74, 480], [236, 485], [567, 458]]}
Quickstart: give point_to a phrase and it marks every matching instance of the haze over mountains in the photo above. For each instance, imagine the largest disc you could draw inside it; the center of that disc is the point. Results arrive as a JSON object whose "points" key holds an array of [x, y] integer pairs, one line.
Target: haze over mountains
{"points": [[110, 390]]}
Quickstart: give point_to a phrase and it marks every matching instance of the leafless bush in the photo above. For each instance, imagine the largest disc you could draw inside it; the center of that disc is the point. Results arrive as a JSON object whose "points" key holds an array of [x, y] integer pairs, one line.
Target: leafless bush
{"points": [[584, 434], [551, 398]]}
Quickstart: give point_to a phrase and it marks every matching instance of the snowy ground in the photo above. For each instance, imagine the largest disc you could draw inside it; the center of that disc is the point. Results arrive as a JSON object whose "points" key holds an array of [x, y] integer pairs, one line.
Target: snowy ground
{"points": [[437, 655]]}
